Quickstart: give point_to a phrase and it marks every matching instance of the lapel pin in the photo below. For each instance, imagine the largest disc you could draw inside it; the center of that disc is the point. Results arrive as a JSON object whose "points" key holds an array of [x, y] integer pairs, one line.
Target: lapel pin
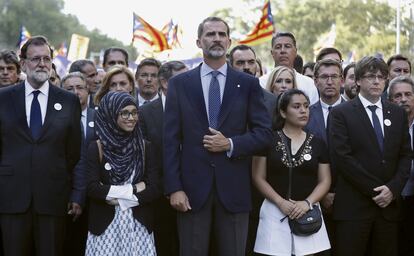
{"points": [[307, 157], [57, 106], [238, 86], [96, 107], [91, 124], [107, 167], [387, 122]]}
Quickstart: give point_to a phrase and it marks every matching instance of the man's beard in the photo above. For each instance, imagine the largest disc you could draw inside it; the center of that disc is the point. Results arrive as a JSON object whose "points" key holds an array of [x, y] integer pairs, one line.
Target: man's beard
{"points": [[39, 77], [248, 72]]}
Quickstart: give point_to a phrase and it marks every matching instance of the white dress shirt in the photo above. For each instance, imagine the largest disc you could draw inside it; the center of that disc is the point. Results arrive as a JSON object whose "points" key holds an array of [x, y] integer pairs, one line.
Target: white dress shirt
{"points": [[366, 103], [42, 98], [84, 116], [325, 109], [141, 100], [163, 101]]}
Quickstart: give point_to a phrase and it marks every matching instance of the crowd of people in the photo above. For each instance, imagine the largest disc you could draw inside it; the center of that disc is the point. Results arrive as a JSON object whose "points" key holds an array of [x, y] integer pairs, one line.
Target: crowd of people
{"points": [[220, 160]]}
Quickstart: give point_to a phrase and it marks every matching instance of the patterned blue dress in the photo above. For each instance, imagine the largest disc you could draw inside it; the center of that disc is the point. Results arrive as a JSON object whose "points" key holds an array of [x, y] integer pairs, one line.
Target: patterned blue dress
{"points": [[125, 236]]}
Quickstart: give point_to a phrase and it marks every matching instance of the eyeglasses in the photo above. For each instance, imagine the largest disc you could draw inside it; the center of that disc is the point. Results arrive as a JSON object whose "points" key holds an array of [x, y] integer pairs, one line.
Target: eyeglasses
{"points": [[126, 114], [372, 77], [146, 75], [36, 60], [326, 77]]}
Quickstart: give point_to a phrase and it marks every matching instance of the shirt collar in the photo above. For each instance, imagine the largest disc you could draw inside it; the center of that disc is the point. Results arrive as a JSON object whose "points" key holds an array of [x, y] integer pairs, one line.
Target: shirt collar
{"points": [[325, 106], [85, 112], [44, 89], [205, 69], [367, 103], [142, 100]]}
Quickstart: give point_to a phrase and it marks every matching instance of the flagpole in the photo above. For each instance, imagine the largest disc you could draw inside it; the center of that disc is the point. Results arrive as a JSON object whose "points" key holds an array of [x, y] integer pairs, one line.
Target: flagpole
{"points": [[397, 43]]}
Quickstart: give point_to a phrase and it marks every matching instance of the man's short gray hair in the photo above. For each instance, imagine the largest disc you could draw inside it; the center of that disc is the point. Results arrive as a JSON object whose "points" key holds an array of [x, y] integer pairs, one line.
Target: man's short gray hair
{"points": [[398, 80], [71, 75]]}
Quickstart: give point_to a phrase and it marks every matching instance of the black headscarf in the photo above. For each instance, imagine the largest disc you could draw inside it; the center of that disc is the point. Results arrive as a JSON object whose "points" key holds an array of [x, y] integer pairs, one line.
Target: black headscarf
{"points": [[124, 151]]}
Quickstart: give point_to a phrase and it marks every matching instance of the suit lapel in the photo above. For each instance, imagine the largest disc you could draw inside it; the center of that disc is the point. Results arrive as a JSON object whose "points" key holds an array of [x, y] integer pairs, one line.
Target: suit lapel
{"points": [[50, 110], [231, 91], [90, 119], [19, 102], [362, 114], [320, 120], [195, 94], [157, 112], [387, 115]]}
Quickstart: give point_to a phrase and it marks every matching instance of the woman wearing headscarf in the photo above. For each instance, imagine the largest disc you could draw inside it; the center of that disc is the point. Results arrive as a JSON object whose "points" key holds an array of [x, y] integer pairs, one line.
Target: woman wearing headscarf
{"points": [[123, 180]]}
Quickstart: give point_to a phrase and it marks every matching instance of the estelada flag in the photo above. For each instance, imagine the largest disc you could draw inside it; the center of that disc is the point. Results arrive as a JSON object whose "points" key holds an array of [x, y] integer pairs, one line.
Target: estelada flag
{"points": [[264, 30], [24, 35], [143, 31]]}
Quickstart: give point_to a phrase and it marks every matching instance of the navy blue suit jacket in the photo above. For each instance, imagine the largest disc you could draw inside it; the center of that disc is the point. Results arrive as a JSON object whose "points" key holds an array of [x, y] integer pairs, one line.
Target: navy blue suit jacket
{"points": [[36, 173], [79, 181], [188, 166]]}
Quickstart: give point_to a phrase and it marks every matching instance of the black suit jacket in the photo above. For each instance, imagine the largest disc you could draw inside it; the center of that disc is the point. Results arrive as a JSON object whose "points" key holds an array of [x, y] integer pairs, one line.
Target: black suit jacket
{"points": [[79, 181], [360, 164], [101, 214], [37, 172], [151, 123]]}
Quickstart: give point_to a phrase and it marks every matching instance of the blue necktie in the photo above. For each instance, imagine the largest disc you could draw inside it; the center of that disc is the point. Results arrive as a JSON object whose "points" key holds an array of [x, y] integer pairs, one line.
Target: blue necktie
{"points": [[214, 101], [377, 127], [35, 116]]}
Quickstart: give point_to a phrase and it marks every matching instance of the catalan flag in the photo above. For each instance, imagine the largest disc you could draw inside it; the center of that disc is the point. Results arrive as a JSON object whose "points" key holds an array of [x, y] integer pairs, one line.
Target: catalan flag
{"points": [[148, 34], [264, 30], [24, 35], [175, 41]]}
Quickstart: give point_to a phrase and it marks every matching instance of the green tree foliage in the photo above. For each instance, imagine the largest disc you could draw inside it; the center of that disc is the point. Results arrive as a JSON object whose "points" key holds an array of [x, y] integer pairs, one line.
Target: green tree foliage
{"points": [[366, 27], [45, 17]]}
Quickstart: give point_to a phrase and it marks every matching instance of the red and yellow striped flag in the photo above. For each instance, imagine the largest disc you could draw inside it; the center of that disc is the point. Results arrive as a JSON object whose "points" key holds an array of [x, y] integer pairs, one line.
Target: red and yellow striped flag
{"points": [[264, 30], [149, 35]]}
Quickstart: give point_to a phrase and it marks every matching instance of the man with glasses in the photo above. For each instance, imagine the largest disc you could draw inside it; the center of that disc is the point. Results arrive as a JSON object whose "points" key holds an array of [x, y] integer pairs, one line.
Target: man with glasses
{"points": [[88, 69], [328, 80], [369, 143], [9, 68], [39, 147], [147, 80], [77, 225]]}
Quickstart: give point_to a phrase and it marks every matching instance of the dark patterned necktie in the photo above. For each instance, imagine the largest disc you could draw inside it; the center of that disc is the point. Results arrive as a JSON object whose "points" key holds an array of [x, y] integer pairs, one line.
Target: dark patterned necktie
{"points": [[214, 101], [35, 116], [377, 127]]}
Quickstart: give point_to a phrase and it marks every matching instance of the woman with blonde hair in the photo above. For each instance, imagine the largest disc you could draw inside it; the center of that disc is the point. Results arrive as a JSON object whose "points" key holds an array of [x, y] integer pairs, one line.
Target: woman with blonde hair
{"points": [[118, 79], [280, 80]]}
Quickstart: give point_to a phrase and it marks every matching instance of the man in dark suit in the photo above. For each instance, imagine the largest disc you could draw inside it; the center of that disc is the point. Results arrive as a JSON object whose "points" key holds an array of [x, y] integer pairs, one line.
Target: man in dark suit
{"points": [[77, 225], [243, 58], [151, 125], [401, 92], [214, 121], [369, 143], [328, 79], [40, 145]]}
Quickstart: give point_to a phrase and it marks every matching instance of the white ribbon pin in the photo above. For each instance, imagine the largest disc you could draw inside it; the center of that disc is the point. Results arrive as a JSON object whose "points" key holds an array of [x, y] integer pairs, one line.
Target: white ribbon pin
{"points": [[307, 157], [387, 122], [238, 86], [91, 124], [57, 106], [107, 166]]}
